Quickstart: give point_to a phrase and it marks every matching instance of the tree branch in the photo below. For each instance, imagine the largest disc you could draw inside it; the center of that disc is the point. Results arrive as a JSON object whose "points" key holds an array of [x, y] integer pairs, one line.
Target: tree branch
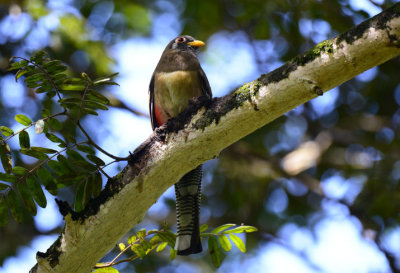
{"points": [[172, 151]]}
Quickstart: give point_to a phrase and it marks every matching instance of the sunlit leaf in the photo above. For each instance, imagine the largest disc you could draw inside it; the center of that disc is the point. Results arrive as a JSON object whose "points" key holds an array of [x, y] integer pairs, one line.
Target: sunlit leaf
{"points": [[24, 140], [161, 246], [214, 251], [3, 211], [6, 131], [222, 228], [20, 73], [14, 205], [203, 228], [241, 229], [238, 242], [168, 236], [172, 253], [36, 190], [224, 242], [24, 120], [71, 87], [27, 198]]}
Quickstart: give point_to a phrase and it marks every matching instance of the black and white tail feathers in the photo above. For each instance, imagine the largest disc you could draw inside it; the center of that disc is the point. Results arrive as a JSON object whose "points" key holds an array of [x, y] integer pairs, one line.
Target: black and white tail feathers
{"points": [[188, 195]]}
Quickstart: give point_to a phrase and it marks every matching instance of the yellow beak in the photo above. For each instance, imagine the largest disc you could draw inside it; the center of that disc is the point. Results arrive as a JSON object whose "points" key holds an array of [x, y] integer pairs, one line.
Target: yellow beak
{"points": [[196, 43]]}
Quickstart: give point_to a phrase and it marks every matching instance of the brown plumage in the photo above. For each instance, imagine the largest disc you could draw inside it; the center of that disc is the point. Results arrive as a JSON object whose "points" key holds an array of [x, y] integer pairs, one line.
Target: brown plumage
{"points": [[177, 78]]}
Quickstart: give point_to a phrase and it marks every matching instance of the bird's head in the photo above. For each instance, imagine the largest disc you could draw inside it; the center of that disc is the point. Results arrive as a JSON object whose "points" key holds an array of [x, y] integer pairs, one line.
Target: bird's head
{"points": [[185, 43]]}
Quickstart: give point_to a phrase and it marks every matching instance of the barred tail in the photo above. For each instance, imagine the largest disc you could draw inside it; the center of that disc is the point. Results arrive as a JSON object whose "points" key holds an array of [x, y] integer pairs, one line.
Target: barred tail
{"points": [[188, 194]]}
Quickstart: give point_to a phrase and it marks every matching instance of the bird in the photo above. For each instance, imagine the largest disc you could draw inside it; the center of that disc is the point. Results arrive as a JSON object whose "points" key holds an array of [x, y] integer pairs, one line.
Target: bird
{"points": [[177, 78]]}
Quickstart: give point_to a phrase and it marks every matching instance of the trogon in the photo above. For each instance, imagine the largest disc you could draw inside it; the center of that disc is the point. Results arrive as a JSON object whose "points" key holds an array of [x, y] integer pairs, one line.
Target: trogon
{"points": [[177, 78]]}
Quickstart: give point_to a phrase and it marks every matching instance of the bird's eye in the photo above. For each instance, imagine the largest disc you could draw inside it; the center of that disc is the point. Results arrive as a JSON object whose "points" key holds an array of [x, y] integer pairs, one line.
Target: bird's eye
{"points": [[180, 39]]}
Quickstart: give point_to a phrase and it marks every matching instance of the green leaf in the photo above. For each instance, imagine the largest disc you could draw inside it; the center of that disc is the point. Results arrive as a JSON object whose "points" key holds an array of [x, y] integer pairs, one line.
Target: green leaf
{"points": [[18, 65], [47, 180], [5, 156], [203, 228], [14, 205], [107, 269], [141, 233], [132, 239], [36, 190], [38, 57], [65, 163], [6, 131], [86, 149], [54, 124], [96, 160], [97, 184], [27, 198], [3, 186], [17, 170], [172, 253], [71, 87], [3, 211], [238, 242], [79, 195], [44, 88], [241, 229], [224, 242], [96, 96], [222, 228], [43, 150], [87, 191], [24, 120], [24, 140], [139, 251], [8, 177], [45, 112], [34, 154], [89, 111], [214, 251], [74, 155], [20, 73], [168, 236], [55, 139], [95, 105], [161, 246], [57, 167]]}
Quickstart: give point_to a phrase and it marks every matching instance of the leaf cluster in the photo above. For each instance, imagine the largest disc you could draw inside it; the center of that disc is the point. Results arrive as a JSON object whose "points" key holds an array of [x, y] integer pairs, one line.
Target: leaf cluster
{"points": [[141, 246], [64, 161]]}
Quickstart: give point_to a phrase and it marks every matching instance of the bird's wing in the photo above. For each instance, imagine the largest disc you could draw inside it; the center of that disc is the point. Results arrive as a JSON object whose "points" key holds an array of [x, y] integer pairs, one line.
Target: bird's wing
{"points": [[205, 86], [151, 103]]}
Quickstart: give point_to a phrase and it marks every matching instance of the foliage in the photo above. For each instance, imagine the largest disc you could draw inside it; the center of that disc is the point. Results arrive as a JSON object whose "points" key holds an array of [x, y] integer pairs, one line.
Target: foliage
{"points": [[141, 247], [72, 162]]}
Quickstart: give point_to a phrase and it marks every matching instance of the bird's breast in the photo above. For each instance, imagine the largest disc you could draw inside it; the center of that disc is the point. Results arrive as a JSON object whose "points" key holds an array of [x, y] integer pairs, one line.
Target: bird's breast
{"points": [[173, 90]]}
